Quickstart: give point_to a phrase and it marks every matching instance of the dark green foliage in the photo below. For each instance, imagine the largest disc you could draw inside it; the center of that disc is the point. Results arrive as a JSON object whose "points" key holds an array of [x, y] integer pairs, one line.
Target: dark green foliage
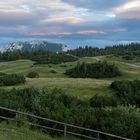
{"points": [[54, 58], [128, 91], [133, 48], [63, 65], [124, 121], [2, 74], [102, 101], [11, 79], [93, 70], [128, 57], [33, 74], [18, 54], [39, 56], [53, 71]]}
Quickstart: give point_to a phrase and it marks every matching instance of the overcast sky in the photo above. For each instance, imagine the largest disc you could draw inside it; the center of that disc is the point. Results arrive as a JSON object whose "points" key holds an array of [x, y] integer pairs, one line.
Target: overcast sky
{"points": [[73, 22]]}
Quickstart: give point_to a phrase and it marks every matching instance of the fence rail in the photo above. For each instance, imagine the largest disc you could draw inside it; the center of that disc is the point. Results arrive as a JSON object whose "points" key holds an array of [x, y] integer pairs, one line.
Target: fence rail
{"points": [[98, 135]]}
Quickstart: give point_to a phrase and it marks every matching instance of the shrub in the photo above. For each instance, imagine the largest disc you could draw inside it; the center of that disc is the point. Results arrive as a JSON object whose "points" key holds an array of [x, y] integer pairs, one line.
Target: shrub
{"points": [[63, 65], [53, 71], [127, 91], [32, 74], [94, 70], [2, 74], [101, 101], [123, 121], [128, 57], [12, 79]]}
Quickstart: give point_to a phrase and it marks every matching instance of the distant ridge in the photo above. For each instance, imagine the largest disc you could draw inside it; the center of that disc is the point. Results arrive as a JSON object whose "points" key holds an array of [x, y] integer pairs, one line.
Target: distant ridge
{"points": [[34, 46]]}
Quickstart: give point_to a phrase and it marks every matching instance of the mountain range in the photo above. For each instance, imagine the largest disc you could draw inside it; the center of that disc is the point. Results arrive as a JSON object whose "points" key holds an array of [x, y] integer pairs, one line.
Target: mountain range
{"points": [[34, 46]]}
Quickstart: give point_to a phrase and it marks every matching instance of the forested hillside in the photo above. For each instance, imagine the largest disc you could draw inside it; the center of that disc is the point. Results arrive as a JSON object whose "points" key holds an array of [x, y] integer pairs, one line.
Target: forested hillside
{"points": [[131, 49], [40, 56]]}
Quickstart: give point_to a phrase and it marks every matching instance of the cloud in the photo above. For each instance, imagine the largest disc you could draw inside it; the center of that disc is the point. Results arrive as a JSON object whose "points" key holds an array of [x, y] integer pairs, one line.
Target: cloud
{"points": [[95, 5], [70, 19], [64, 20], [129, 10], [90, 32]]}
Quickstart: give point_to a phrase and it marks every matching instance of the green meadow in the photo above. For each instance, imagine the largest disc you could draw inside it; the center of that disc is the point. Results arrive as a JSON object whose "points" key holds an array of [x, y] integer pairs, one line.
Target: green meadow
{"points": [[79, 87]]}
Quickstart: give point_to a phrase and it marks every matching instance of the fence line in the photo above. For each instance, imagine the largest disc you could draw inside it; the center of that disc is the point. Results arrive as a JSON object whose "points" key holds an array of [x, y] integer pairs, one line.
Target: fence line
{"points": [[65, 126]]}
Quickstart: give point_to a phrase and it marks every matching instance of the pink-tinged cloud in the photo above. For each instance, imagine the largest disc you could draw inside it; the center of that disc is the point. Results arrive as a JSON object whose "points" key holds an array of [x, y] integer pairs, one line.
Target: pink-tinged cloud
{"points": [[101, 32], [46, 32], [88, 32], [64, 20], [130, 10]]}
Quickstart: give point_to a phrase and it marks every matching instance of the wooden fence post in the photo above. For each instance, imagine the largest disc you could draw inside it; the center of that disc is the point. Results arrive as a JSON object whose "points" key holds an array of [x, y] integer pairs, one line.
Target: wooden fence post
{"points": [[65, 131], [98, 136]]}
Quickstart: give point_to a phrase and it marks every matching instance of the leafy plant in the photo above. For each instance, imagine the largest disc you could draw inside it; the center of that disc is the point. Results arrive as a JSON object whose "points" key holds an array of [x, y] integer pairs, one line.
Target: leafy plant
{"points": [[33, 74]]}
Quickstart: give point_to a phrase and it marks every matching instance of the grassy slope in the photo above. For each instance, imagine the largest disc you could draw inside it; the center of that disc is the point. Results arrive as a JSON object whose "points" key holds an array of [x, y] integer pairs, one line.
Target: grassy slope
{"points": [[82, 88], [11, 132]]}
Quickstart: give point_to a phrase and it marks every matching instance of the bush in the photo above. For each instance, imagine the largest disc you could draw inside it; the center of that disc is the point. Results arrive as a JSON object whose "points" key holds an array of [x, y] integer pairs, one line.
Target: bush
{"points": [[32, 74], [101, 101], [127, 91], [94, 70], [2, 74], [123, 121], [11, 79], [128, 57], [63, 65], [53, 71]]}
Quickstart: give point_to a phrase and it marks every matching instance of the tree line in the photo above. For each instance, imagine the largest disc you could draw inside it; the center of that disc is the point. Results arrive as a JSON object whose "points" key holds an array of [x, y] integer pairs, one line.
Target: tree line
{"points": [[127, 49], [39, 56]]}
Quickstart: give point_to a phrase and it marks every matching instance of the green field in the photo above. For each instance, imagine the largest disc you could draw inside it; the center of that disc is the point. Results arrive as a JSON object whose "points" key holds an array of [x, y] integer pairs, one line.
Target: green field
{"points": [[81, 88], [11, 132]]}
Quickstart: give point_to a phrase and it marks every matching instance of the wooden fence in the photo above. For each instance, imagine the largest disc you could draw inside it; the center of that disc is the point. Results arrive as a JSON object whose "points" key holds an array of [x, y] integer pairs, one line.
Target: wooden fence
{"points": [[64, 128]]}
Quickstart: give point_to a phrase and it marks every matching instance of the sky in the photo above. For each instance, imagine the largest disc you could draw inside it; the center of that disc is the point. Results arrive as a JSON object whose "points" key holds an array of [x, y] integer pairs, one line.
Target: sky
{"points": [[76, 23]]}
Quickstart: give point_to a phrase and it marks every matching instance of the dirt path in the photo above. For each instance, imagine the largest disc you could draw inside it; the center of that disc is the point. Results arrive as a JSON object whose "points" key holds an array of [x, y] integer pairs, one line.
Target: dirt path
{"points": [[131, 65]]}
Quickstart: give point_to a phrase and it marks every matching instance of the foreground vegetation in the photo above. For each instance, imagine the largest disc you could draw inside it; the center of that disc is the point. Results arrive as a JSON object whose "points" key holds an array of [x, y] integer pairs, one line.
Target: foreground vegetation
{"points": [[128, 91], [58, 106]]}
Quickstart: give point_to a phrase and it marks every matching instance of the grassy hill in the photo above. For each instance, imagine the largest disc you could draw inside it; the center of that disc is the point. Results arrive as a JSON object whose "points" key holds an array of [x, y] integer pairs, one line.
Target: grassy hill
{"points": [[81, 88]]}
